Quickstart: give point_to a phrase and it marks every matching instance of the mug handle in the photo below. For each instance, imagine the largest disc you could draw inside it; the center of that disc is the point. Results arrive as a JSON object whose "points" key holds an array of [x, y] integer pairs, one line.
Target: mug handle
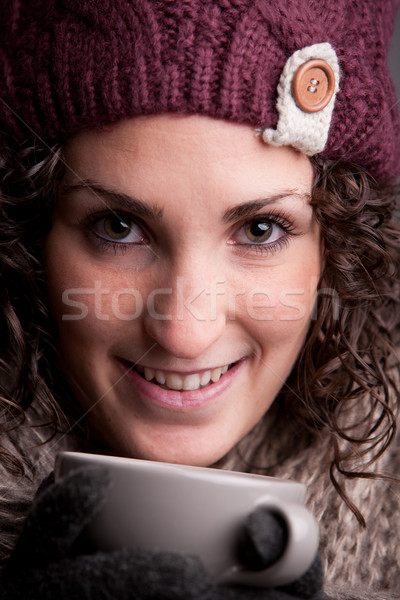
{"points": [[298, 555]]}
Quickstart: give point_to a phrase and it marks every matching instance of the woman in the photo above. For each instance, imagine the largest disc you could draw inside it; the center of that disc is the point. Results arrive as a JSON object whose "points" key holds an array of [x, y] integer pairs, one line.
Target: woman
{"points": [[198, 256]]}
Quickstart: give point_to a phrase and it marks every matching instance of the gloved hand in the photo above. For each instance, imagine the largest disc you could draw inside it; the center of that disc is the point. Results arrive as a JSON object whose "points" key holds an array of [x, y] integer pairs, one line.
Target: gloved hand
{"points": [[51, 560]]}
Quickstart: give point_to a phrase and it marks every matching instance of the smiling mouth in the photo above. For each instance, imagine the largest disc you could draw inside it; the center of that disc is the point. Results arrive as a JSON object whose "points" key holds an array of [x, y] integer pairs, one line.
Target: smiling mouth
{"points": [[168, 380]]}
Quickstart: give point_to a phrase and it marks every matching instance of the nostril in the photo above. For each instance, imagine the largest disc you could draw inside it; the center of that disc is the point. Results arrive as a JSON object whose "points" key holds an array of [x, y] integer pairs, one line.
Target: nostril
{"points": [[185, 338]]}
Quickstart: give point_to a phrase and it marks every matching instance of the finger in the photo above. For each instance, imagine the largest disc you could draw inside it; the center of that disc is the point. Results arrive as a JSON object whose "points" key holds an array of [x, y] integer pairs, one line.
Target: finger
{"points": [[169, 575], [58, 516], [125, 575], [247, 593], [47, 482], [310, 584], [263, 540]]}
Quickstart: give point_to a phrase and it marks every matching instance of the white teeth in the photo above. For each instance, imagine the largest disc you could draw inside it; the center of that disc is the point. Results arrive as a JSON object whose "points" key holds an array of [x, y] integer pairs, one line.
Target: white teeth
{"points": [[160, 377], [191, 382], [215, 375], [148, 373], [205, 378], [173, 381]]}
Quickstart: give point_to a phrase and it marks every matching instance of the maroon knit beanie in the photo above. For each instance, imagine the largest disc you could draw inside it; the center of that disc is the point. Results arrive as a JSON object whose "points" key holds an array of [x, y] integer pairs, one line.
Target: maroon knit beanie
{"points": [[68, 64]]}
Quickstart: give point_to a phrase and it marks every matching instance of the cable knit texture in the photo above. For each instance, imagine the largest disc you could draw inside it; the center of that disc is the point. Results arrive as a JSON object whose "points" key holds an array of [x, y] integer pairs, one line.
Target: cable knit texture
{"points": [[68, 64], [359, 564]]}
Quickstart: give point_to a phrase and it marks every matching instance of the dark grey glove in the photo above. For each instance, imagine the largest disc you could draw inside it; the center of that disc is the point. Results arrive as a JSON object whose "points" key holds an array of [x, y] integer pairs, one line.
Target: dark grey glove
{"points": [[263, 541], [52, 561]]}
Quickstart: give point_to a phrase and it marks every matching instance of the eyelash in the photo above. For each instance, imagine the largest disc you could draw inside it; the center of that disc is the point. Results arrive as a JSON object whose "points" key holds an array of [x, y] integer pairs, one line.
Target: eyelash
{"points": [[93, 217], [278, 218], [282, 220]]}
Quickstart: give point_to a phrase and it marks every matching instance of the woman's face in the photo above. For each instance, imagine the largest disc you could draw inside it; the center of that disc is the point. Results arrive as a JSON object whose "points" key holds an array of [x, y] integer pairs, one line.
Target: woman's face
{"points": [[182, 270]]}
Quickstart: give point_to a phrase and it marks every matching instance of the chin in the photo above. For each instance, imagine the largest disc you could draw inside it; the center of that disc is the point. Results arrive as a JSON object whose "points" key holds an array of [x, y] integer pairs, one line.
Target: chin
{"points": [[192, 453]]}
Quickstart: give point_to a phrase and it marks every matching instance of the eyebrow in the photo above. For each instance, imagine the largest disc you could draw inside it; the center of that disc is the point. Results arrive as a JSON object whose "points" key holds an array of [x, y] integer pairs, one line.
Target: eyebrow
{"points": [[249, 209], [140, 208]]}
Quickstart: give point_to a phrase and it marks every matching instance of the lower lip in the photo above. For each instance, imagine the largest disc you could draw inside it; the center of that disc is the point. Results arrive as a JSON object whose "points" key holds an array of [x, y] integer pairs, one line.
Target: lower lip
{"points": [[175, 399]]}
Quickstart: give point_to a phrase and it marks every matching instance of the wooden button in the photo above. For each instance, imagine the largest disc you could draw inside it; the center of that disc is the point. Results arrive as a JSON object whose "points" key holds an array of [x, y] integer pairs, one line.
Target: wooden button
{"points": [[313, 85]]}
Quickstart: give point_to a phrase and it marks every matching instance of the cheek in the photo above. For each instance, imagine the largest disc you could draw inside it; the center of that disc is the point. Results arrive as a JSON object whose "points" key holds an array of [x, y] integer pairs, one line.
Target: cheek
{"points": [[281, 300], [89, 303], [85, 283], [101, 306]]}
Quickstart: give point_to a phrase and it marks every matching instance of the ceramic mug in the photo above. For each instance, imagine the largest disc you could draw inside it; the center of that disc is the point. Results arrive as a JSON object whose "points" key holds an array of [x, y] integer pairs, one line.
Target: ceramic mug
{"points": [[195, 510]]}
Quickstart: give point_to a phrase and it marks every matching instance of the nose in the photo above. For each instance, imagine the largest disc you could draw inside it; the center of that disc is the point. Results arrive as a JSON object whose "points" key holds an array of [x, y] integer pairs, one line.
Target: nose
{"points": [[187, 318]]}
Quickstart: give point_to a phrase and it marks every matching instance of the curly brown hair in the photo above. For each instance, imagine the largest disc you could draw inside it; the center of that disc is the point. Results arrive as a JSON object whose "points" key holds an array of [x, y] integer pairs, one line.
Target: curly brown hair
{"points": [[349, 359], [28, 359], [349, 354]]}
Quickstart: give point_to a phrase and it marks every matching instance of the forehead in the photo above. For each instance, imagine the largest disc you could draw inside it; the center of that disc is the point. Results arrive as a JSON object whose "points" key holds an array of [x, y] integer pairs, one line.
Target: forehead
{"points": [[193, 155]]}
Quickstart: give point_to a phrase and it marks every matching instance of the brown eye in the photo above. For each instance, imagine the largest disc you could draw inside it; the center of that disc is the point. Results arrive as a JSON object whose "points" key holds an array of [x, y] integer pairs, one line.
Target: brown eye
{"points": [[258, 231], [263, 233], [116, 228]]}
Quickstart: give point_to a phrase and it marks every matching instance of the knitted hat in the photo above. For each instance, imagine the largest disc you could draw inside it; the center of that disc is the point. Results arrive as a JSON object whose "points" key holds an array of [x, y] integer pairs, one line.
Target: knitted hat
{"points": [[306, 73]]}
